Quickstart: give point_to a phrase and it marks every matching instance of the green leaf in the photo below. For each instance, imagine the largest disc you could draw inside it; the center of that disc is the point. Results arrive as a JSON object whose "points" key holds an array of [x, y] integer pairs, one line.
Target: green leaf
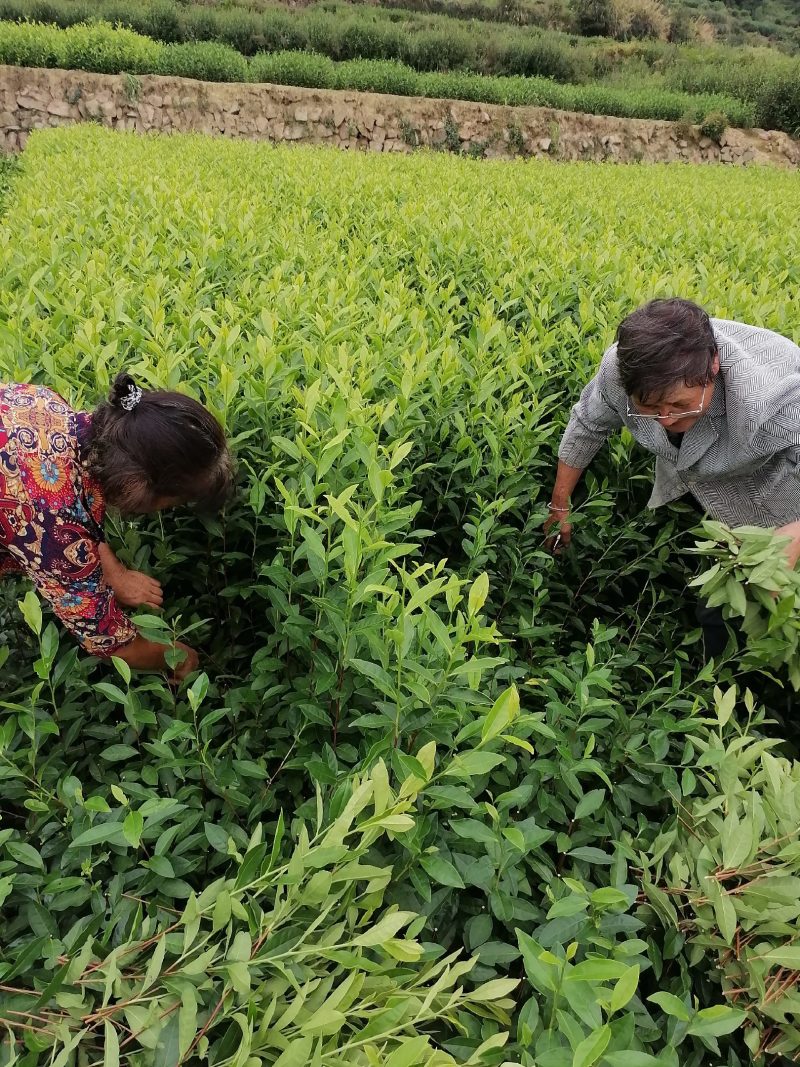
{"points": [[122, 669], [597, 971], [217, 837], [516, 838], [466, 764], [783, 956], [631, 1059], [441, 871], [504, 711], [716, 1021], [736, 597], [161, 866], [326, 1020], [187, 1018], [671, 1005], [115, 753], [725, 914], [592, 1048], [296, 1054], [473, 830], [413, 1051], [496, 989], [541, 973], [589, 803], [112, 692], [24, 853], [111, 1045], [725, 703], [624, 990], [31, 609], [132, 828], [478, 594], [99, 834]]}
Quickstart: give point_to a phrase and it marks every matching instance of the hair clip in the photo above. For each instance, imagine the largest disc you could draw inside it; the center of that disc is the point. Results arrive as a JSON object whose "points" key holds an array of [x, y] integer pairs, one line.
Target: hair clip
{"points": [[129, 402]]}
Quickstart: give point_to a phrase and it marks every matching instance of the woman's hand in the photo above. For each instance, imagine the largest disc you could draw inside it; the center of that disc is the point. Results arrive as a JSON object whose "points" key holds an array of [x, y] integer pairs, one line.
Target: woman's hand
{"points": [[190, 663], [134, 589], [144, 655], [131, 588]]}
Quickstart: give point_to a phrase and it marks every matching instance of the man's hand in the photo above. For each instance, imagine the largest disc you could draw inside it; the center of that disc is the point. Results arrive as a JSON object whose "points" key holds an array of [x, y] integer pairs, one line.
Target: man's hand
{"points": [[558, 530], [134, 589], [792, 549]]}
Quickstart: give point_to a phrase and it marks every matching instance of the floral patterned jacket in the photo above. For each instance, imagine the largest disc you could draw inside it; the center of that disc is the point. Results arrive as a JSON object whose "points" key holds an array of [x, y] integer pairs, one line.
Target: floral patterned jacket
{"points": [[51, 515]]}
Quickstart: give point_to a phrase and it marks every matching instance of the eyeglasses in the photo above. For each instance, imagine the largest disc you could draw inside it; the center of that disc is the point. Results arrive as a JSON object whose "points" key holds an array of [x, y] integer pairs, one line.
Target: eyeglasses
{"points": [[633, 414]]}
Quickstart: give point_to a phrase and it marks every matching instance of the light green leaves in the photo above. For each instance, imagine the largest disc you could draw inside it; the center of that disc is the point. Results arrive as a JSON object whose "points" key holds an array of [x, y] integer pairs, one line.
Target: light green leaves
{"points": [[592, 1048], [442, 871], [716, 1021], [478, 594], [670, 1004], [132, 828], [501, 715], [624, 990], [31, 610], [111, 1045]]}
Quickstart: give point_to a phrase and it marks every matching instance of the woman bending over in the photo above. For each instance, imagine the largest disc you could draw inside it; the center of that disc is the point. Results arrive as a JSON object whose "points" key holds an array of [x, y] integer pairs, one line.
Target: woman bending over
{"points": [[143, 451]]}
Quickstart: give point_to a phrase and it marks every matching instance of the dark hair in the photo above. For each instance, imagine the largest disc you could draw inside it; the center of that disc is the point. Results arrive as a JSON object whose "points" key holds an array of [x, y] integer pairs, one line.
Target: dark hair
{"points": [[148, 444], [663, 344]]}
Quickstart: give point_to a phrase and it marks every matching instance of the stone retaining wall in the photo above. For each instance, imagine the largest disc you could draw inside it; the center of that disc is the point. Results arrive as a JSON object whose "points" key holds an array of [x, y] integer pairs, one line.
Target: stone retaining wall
{"points": [[32, 98]]}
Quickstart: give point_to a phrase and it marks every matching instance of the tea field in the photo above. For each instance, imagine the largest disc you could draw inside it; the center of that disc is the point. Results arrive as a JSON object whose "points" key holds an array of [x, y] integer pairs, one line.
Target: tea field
{"points": [[435, 798]]}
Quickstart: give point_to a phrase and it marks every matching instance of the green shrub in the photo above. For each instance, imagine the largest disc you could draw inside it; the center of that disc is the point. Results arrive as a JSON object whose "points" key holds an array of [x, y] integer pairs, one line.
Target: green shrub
{"points": [[160, 19], [237, 28], [31, 45], [205, 60], [376, 76], [354, 39], [461, 86], [293, 68], [754, 585], [439, 50], [777, 106], [714, 125], [732, 877], [281, 31], [593, 17], [96, 46], [762, 78], [539, 58]]}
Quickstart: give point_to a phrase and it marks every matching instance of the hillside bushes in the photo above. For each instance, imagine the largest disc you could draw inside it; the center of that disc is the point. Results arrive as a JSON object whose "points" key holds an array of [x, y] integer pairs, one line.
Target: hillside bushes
{"points": [[422, 42], [98, 47], [770, 84]]}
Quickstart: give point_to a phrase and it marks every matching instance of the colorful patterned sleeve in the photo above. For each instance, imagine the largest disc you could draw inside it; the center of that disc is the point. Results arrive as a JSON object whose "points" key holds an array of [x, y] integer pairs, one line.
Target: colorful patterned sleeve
{"points": [[67, 572]]}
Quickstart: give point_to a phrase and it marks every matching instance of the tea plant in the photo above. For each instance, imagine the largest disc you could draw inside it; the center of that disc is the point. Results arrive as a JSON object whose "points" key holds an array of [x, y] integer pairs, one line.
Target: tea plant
{"points": [[728, 879], [375, 611], [752, 581]]}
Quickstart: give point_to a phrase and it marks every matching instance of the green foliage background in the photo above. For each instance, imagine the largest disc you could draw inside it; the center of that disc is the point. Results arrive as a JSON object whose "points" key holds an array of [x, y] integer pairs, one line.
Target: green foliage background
{"points": [[352, 46], [408, 708]]}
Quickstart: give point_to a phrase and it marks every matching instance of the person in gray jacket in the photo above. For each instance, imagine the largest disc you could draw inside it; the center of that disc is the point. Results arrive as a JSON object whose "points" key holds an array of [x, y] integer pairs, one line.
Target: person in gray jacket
{"points": [[717, 402]]}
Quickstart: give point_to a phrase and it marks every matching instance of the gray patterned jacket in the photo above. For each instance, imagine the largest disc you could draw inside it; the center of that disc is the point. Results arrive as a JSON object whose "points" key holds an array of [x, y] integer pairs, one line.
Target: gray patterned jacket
{"points": [[741, 460]]}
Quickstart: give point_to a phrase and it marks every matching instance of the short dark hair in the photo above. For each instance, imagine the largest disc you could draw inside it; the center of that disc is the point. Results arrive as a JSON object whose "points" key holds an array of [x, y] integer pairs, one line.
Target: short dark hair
{"points": [[663, 344], [147, 444]]}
